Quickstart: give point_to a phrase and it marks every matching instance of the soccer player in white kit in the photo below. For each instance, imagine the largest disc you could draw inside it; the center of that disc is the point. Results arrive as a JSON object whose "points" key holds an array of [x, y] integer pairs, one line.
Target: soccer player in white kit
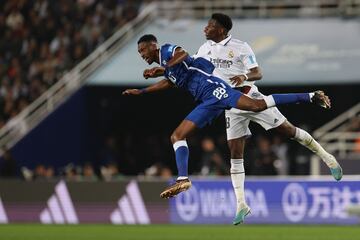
{"points": [[235, 63]]}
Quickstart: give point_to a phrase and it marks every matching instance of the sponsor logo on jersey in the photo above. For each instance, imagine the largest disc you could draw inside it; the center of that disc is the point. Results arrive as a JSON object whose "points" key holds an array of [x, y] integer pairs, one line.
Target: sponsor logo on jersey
{"points": [[221, 63]]}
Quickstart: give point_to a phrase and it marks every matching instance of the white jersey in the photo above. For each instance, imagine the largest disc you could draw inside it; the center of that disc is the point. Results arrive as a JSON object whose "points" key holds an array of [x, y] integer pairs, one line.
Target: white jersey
{"points": [[233, 57], [230, 57]]}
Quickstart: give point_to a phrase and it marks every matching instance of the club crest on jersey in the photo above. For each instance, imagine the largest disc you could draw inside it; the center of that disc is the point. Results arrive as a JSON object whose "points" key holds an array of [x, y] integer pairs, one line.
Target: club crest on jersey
{"points": [[231, 54], [164, 62], [209, 53]]}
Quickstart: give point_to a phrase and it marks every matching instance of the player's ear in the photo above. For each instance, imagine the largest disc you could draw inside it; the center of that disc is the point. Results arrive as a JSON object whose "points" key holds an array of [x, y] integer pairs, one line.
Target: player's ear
{"points": [[153, 45]]}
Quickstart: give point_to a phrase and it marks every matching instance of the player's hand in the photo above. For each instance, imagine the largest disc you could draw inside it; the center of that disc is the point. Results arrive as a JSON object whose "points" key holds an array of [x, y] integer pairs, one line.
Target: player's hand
{"points": [[132, 92], [153, 72], [237, 80], [148, 73]]}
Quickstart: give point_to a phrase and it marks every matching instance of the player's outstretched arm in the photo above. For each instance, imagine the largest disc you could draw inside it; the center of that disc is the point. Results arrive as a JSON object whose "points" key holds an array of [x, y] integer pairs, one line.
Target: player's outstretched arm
{"points": [[159, 86], [179, 56]]}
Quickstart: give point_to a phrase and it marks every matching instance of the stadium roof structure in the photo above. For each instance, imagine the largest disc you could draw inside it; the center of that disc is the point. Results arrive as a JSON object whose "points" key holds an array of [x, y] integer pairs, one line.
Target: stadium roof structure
{"points": [[289, 51]]}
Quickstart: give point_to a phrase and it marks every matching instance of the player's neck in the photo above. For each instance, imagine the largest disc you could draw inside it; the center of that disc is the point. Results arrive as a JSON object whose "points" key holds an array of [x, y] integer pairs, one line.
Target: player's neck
{"points": [[219, 39], [157, 56]]}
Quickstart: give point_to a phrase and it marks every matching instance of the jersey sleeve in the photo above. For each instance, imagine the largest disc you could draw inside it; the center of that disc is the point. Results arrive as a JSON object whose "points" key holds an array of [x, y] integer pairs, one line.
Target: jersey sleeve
{"points": [[167, 52], [248, 57]]}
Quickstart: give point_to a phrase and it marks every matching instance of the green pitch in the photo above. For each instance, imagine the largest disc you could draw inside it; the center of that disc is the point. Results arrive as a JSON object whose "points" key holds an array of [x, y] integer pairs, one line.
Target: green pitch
{"points": [[180, 232]]}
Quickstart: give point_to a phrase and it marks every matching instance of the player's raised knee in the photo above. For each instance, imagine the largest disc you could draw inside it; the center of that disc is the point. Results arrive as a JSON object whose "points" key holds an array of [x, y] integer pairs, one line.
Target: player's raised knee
{"points": [[175, 137]]}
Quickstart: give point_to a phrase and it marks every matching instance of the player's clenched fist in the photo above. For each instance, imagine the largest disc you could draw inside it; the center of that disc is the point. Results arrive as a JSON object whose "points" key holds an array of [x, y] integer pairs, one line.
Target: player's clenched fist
{"points": [[147, 73], [132, 92], [153, 72]]}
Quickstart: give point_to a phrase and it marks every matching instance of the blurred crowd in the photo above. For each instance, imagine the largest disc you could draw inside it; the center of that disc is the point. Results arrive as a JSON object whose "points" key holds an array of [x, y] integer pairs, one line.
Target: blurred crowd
{"points": [[209, 156], [266, 153], [42, 39]]}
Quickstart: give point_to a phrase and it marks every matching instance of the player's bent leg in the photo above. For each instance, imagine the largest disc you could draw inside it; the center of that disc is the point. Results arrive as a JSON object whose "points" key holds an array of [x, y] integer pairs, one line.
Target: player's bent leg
{"points": [[258, 105], [185, 128], [286, 129], [178, 138], [317, 97], [309, 142], [248, 104]]}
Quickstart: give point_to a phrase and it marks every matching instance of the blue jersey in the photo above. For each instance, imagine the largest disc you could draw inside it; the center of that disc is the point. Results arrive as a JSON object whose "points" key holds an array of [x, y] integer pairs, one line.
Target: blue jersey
{"points": [[190, 75], [195, 76]]}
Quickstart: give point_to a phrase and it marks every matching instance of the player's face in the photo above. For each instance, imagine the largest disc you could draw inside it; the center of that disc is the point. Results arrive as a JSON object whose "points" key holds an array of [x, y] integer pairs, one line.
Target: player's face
{"points": [[147, 51], [212, 30]]}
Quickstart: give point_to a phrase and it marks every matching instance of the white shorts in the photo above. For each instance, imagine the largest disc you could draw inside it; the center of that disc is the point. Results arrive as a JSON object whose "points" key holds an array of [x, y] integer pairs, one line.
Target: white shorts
{"points": [[237, 121]]}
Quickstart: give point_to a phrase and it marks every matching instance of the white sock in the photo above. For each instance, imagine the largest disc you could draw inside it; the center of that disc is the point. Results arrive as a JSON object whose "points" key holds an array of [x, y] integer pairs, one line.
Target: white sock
{"points": [[237, 172], [182, 177], [269, 100], [311, 95], [309, 142]]}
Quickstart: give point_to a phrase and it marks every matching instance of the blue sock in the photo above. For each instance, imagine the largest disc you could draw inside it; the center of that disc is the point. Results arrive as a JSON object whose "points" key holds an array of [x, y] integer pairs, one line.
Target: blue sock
{"points": [[182, 157], [291, 98]]}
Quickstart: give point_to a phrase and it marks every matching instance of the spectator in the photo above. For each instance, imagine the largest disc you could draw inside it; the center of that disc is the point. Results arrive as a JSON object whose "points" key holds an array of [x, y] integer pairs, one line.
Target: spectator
{"points": [[280, 148], [158, 170], [212, 161], [88, 172], [42, 40], [8, 166], [110, 172], [264, 158], [40, 171], [354, 126]]}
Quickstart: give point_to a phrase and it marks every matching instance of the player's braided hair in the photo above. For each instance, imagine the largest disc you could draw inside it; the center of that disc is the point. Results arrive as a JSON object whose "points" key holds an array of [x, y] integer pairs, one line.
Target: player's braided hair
{"points": [[223, 20], [147, 38]]}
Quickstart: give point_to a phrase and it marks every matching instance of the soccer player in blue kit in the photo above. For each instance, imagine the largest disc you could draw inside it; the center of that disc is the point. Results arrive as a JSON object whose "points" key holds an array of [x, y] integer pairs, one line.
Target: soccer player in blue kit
{"points": [[213, 94]]}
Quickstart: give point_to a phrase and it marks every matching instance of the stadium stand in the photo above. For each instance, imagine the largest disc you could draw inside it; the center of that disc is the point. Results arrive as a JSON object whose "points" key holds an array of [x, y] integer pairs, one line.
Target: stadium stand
{"points": [[44, 40]]}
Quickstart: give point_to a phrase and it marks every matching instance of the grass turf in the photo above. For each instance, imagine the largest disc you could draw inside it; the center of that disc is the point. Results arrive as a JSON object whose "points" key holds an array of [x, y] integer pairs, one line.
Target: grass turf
{"points": [[181, 232]]}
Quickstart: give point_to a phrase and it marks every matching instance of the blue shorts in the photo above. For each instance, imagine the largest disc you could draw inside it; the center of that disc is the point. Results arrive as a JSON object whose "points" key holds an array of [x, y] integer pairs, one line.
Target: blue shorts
{"points": [[219, 98]]}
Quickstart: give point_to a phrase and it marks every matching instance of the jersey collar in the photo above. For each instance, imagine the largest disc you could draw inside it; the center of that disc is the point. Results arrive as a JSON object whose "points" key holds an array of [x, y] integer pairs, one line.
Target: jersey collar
{"points": [[223, 42]]}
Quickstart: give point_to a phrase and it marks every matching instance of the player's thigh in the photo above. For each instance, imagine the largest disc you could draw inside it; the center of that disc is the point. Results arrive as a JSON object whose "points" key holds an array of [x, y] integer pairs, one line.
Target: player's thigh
{"points": [[237, 124], [203, 115], [269, 118]]}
